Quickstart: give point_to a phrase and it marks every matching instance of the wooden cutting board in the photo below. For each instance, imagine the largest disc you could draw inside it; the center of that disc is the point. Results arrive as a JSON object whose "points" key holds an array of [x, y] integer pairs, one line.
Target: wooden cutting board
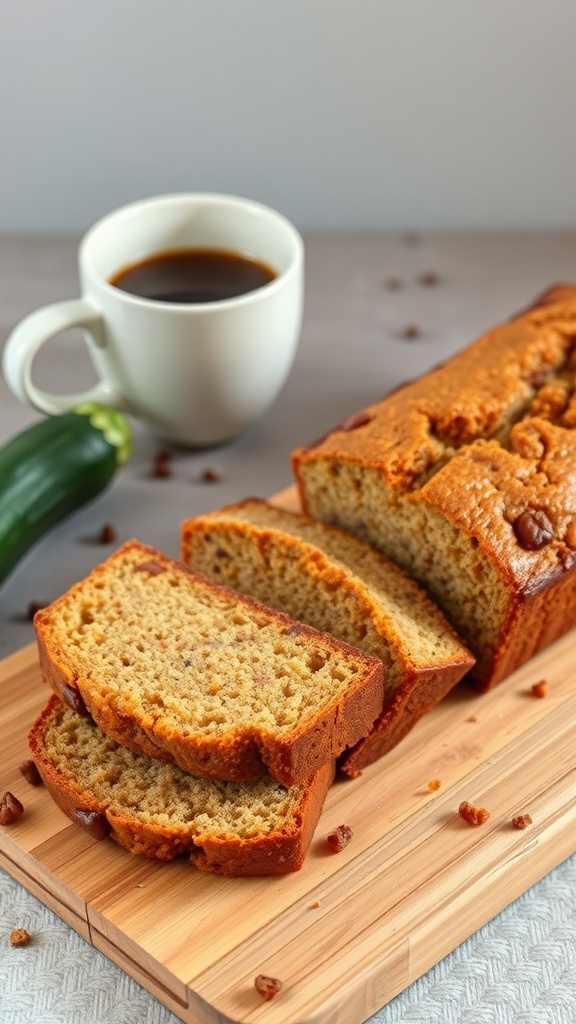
{"points": [[350, 930]]}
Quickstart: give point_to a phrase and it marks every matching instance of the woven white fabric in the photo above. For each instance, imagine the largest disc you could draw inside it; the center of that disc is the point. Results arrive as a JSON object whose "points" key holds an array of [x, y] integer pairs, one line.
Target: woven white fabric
{"points": [[519, 969]]}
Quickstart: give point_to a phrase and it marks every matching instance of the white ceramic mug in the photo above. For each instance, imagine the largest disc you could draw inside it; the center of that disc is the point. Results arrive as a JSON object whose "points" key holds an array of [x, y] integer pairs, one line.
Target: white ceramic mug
{"points": [[195, 374]]}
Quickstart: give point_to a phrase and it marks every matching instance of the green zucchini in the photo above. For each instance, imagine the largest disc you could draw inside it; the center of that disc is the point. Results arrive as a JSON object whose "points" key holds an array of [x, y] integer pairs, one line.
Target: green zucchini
{"points": [[53, 468]]}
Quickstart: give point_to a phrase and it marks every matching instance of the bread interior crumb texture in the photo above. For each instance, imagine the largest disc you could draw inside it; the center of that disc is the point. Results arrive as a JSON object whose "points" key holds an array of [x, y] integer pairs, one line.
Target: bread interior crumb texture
{"points": [[331, 580], [158, 793], [193, 655], [455, 572]]}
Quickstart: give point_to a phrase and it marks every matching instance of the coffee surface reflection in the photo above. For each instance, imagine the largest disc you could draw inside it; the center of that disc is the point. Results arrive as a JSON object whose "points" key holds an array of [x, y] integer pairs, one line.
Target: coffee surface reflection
{"points": [[193, 276]]}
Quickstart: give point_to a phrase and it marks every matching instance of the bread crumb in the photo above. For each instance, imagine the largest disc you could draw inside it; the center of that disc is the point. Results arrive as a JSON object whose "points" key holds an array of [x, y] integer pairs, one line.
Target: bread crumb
{"points": [[29, 771], [339, 838], [19, 937], [316, 904], [539, 689], [107, 534], [266, 986], [33, 607], [434, 784], [473, 815], [410, 331], [428, 278], [94, 822], [521, 821], [472, 718], [161, 466], [10, 808]]}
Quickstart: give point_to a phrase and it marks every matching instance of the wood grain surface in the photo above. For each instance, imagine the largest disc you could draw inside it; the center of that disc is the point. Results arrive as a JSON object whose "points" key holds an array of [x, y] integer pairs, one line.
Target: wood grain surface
{"points": [[350, 930]]}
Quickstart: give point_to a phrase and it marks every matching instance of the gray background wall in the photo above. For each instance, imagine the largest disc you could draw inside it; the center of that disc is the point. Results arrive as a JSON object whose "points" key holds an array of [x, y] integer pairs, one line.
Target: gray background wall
{"points": [[342, 113]]}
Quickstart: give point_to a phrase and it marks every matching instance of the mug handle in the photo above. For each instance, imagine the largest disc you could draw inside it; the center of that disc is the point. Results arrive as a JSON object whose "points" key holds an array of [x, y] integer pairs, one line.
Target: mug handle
{"points": [[28, 337]]}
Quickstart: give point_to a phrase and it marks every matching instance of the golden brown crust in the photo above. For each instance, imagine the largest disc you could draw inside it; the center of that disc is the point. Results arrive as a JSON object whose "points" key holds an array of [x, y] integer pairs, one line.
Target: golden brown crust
{"points": [[468, 397], [412, 700], [486, 445], [277, 852]]}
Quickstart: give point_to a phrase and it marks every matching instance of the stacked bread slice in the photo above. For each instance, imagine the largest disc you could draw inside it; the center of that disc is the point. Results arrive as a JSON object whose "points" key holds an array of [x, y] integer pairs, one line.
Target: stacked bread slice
{"points": [[188, 718], [153, 808], [200, 708]]}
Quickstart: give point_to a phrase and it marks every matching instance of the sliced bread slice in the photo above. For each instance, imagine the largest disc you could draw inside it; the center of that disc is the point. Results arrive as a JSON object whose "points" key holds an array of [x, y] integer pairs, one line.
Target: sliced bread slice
{"points": [[173, 665], [157, 810]]}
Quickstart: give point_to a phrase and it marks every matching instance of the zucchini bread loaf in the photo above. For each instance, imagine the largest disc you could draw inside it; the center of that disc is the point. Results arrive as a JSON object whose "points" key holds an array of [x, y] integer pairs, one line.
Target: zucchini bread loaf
{"points": [[157, 810], [329, 579], [173, 665], [466, 478]]}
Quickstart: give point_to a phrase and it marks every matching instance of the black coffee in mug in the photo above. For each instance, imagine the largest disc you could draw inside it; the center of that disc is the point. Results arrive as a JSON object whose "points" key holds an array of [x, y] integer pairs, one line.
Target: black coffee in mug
{"points": [[193, 276]]}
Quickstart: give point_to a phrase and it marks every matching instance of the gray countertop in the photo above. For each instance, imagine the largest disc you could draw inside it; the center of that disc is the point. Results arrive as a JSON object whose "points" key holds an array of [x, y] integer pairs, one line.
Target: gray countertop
{"points": [[363, 291]]}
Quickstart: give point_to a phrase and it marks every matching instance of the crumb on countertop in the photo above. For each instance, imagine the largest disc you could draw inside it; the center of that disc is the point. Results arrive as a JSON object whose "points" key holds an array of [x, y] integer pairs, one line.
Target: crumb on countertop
{"points": [[108, 534], [161, 466]]}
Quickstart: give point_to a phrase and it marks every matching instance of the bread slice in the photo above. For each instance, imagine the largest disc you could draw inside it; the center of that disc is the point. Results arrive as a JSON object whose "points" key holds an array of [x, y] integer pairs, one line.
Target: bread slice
{"points": [[466, 477], [173, 665], [157, 810], [328, 579]]}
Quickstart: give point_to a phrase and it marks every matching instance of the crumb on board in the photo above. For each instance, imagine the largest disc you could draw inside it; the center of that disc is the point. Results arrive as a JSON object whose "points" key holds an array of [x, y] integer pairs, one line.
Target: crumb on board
{"points": [[29, 770], [10, 808], [521, 821], [339, 838], [434, 785], [472, 814], [539, 689], [267, 987]]}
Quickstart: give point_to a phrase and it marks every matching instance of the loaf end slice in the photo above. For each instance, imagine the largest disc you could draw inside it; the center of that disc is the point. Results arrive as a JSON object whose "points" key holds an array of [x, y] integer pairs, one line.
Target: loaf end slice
{"points": [[175, 666], [158, 811]]}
